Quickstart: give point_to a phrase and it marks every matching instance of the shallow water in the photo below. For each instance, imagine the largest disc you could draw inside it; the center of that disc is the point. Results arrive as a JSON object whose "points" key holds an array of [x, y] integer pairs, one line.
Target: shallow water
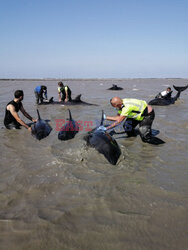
{"points": [[64, 195]]}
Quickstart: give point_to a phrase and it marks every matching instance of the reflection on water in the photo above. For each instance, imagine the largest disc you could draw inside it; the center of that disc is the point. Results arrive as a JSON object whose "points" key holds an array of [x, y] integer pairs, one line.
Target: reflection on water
{"points": [[64, 195]]}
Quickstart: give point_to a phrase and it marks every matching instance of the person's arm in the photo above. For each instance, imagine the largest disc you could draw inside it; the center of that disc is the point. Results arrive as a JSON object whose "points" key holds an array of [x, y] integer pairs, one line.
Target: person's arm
{"points": [[45, 94], [13, 112], [66, 94], [112, 118], [118, 119], [26, 114], [163, 94], [59, 96]]}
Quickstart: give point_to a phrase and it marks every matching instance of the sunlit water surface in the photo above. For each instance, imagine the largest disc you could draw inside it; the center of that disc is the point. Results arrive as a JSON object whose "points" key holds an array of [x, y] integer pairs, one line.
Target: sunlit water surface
{"points": [[63, 195]]}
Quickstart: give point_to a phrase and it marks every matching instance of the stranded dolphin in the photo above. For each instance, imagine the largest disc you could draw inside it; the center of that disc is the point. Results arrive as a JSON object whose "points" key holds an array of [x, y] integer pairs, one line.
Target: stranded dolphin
{"points": [[115, 87], [69, 130], [104, 143], [168, 101], [41, 128], [76, 101]]}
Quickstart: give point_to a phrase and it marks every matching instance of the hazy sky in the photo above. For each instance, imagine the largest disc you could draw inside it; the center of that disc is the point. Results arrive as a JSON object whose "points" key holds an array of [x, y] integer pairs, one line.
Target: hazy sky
{"points": [[93, 38]]}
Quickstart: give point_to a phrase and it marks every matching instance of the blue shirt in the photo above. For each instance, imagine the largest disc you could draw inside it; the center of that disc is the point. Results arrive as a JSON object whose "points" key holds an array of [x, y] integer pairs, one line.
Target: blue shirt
{"points": [[38, 89]]}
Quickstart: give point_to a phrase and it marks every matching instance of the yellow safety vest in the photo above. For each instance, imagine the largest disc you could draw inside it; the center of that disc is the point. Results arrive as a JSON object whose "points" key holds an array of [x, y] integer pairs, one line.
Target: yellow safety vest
{"points": [[60, 89], [133, 108]]}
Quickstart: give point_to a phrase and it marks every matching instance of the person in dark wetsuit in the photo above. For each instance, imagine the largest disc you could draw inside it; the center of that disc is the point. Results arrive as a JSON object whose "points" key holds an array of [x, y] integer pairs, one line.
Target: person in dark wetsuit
{"points": [[64, 92], [12, 119], [166, 94], [39, 92], [165, 97]]}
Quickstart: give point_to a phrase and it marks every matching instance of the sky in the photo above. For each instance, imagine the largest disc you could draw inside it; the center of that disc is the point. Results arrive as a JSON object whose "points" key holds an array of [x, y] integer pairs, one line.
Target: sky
{"points": [[93, 38]]}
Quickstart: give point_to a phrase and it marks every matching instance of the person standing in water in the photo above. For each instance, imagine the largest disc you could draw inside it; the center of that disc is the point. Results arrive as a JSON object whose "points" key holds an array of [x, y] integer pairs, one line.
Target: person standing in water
{"points": [[12, 119]]}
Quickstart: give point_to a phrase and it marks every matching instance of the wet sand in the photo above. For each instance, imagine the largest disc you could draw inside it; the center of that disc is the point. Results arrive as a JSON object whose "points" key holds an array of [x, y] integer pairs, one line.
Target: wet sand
{"points": [[64, 195]]}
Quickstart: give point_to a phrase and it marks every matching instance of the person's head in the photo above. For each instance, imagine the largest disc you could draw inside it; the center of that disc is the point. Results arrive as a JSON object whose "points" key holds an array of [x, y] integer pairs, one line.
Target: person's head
{"points": [[116, 102], [19, 94], [60, 84], [44, 87], [168, 89]]}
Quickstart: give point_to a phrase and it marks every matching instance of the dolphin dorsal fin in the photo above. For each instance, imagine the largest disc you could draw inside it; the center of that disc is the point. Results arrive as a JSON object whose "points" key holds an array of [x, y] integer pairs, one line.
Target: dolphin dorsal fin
{"points": [[78, 98], [102, 118], [38, 114], [70, 116]]}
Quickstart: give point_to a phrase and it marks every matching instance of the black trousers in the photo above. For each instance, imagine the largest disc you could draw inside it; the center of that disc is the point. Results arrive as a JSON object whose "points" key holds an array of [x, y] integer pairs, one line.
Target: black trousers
{"points": [[144, 126], [39, 97], [13, 125], [63, 96]]}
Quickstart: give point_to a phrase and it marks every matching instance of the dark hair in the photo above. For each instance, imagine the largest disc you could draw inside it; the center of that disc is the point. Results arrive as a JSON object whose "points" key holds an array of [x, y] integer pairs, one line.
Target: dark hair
{"points": [[60, 83], [44, 87], [169, 88], [18, 93]]}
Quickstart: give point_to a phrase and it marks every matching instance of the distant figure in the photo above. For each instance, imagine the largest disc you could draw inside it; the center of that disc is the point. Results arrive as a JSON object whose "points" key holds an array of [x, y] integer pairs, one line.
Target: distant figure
{"points": [[115, 87], [64, 92], [166, 94], [40, 94], [12, 119], [165, 97]]}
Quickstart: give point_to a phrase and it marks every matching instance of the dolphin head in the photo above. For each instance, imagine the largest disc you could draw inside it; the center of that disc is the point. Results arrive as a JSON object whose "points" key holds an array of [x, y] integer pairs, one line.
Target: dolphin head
{"points": [[41, 128], [69, 130]]}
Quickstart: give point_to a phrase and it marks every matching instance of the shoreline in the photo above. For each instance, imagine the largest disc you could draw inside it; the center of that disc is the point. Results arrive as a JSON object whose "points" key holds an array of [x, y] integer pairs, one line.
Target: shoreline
{"points": [[87, 79]]}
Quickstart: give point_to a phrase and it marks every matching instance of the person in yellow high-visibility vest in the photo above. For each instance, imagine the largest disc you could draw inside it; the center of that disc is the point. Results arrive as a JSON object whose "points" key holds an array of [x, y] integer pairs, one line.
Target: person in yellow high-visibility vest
{"points": [[64, 92], [136, 112]]}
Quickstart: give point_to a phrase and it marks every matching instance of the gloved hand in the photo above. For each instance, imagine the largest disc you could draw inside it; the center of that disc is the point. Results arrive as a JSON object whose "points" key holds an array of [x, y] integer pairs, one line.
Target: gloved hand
{"points": [[102, 128]]}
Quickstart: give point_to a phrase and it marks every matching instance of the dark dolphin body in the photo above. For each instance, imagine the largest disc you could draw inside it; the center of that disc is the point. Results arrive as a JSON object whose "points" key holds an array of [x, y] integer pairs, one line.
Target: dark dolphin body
{"points": [[69, 130], [104, 143], [41, 128], [115, 87], [172, 100], [76, 101]]}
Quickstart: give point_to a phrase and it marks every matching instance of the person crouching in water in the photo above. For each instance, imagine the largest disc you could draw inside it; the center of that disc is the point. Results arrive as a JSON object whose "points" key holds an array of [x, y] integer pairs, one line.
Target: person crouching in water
{"points": [[166, 94], [40, 94], [136, 112], [64, 93], [12, 119]]}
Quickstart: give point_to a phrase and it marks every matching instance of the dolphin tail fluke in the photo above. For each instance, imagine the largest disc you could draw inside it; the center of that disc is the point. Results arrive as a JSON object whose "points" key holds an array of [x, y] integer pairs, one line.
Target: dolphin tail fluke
{"points": [[180, 89], [70, 116], [102, 118], [38, 114]]}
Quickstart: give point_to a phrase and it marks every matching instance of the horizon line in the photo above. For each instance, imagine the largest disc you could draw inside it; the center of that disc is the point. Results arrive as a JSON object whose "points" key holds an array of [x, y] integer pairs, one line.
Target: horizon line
{"points": [[100, 78]]}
